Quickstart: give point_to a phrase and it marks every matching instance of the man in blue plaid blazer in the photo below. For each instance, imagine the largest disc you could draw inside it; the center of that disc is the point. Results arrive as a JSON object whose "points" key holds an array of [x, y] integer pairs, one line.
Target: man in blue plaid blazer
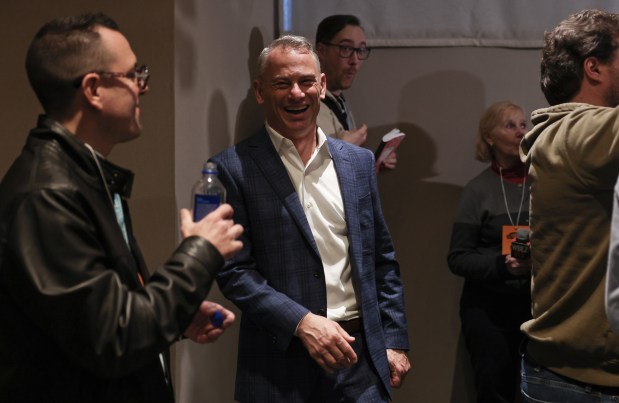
{"points": [[317, 281]]}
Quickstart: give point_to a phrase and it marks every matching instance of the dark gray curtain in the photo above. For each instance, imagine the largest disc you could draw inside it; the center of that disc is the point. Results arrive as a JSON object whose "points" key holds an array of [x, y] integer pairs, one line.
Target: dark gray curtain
{"points": [[393, 23]]}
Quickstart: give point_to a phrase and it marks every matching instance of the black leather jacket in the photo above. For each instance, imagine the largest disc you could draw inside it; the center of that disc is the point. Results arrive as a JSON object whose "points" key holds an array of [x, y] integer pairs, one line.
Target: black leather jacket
{"points": [[77, 325]]}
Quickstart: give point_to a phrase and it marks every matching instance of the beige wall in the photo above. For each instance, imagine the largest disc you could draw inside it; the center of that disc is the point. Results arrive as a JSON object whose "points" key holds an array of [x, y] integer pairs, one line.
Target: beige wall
{"points": [[217, 43], [201, 56]]}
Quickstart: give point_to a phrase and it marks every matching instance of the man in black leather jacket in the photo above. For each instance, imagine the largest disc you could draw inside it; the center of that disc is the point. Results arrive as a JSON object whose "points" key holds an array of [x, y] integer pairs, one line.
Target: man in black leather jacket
{"points": [[82, 320]]}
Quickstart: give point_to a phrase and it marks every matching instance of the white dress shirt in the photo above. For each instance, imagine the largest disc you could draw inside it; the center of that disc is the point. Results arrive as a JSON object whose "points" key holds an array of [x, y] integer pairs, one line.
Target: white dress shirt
{"points": [[319, 192]]}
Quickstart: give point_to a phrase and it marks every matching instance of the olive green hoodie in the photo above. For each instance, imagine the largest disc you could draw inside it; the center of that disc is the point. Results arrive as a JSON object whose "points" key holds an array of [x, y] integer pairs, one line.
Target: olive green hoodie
{"points": [[573, 157]]}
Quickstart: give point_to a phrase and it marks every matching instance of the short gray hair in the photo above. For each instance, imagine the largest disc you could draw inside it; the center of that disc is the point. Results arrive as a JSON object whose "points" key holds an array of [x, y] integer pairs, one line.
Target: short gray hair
{"points": [[296, 43]]}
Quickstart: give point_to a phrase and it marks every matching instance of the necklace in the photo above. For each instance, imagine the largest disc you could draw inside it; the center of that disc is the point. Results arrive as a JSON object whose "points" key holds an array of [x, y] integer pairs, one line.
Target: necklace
{"points": [[524, 183]]}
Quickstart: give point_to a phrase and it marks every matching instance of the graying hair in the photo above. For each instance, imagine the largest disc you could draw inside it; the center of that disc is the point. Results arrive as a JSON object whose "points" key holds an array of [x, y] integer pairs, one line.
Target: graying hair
{"points": [[296, 43]]}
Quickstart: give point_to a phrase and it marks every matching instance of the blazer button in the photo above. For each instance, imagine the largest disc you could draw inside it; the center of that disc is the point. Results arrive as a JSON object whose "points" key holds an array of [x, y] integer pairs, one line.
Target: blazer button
{"points": [[321, 312], [274, 339], [317, 274]]}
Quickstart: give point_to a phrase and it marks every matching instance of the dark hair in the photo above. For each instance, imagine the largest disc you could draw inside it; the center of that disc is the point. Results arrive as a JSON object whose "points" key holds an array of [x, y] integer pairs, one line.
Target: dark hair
{"points": [[61, 51], [589, 33], [297, 43], [330, 26]]}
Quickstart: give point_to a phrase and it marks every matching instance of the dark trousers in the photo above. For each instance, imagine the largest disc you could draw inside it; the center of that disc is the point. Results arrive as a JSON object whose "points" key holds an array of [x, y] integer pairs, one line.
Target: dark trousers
{"points": [[359, 383], [491, 329]]}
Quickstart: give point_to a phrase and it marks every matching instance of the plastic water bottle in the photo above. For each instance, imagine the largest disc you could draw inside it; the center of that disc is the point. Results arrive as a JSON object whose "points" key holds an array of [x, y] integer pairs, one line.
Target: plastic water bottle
{"points": [[208, 193]]}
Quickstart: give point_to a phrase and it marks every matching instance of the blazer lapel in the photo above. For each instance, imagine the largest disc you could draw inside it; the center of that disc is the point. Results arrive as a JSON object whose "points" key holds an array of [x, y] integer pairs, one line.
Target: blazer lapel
{"points": [[265, 156], [346, 174], [347, 177]]}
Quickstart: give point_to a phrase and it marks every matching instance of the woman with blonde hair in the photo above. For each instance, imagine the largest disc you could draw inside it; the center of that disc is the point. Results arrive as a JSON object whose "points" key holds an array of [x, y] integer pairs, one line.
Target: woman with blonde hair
{"points": [[496, 294]]}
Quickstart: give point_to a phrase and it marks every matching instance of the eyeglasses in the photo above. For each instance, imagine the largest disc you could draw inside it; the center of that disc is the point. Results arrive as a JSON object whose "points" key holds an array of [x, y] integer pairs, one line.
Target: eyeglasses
{"points": [[346, 51], [140, 75]]}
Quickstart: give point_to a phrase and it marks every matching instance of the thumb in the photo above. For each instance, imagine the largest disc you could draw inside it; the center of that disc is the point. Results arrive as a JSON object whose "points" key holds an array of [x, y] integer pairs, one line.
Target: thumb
{"points": [[185, 217]]}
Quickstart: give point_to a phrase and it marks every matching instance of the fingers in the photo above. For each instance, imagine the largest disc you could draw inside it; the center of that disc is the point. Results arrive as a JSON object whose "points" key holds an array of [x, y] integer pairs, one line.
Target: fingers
{"points": [[395, 380], [327, 343], [209, 337], [339, 353], [363, 134], [336, 356], [390, 162], [345, 354], [517, 267], [399, 365], [217, 227], [224, 211], [209, 308], [234, 245], [202, 329], [186, 221]]}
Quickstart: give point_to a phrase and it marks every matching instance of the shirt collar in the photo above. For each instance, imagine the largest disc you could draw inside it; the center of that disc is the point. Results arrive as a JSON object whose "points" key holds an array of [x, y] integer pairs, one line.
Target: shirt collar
{"points": [[282, 143]]}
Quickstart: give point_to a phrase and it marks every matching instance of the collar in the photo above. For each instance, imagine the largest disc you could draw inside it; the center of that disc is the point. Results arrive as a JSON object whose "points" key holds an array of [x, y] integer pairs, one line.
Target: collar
{"points": [[119, 180], [515, 174], [337, 98], [282, 143]]}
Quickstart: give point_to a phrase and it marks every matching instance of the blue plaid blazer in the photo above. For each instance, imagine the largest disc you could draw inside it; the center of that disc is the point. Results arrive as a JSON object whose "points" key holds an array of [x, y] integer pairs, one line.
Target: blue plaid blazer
{"points": [[278, 276]]}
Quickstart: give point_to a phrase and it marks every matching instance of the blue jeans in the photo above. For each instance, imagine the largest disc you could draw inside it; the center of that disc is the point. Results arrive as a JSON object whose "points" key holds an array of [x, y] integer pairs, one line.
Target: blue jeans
{"points": [[539, 385]]}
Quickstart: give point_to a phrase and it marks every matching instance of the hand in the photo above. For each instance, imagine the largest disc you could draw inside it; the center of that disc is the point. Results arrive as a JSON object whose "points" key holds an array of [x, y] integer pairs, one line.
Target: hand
{"points": [[390, 162], [518, 267], [327, 343], [357, 136], [398, 366], [201, 330], [217, 228]]}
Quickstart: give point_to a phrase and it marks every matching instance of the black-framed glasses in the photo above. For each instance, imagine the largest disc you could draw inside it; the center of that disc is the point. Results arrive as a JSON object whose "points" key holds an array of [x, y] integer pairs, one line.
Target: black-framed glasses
{"points": [[347, 51], [140, 75]]}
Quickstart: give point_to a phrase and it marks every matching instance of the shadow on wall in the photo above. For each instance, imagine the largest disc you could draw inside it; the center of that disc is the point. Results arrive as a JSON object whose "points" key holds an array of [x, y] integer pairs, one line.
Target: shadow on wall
{"points": [[418, 218], [185, 48], [250, 117], [420, 214], [217, 128]]}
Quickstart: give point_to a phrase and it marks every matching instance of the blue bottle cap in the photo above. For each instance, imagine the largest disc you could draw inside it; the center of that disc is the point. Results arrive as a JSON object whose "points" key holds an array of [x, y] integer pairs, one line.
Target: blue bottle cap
{"points": [[217, 319]]}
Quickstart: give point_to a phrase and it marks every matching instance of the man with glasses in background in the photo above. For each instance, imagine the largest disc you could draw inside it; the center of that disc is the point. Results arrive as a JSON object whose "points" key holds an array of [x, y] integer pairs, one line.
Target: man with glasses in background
{"points": [[341, 48], [82, 319]]}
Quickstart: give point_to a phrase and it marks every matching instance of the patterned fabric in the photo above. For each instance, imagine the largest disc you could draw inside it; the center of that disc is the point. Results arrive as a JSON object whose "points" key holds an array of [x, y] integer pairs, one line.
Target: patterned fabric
{"points": [[278, 276]]}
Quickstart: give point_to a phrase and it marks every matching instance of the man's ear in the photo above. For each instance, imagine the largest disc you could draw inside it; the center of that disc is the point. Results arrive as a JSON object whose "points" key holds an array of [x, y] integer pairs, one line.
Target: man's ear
{"points": [[323, 85], [257, 86], [592, 69], [91, 90]]}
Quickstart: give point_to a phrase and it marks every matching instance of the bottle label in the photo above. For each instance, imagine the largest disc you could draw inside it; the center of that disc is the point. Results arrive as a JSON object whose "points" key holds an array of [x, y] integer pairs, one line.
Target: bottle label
{"points": [[204, 204], [521, 250]]}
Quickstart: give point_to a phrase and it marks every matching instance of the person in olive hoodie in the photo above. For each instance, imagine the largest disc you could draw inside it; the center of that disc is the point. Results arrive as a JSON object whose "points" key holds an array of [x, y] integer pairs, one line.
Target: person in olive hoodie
{"points": [[82, 321], [573, 157]]}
